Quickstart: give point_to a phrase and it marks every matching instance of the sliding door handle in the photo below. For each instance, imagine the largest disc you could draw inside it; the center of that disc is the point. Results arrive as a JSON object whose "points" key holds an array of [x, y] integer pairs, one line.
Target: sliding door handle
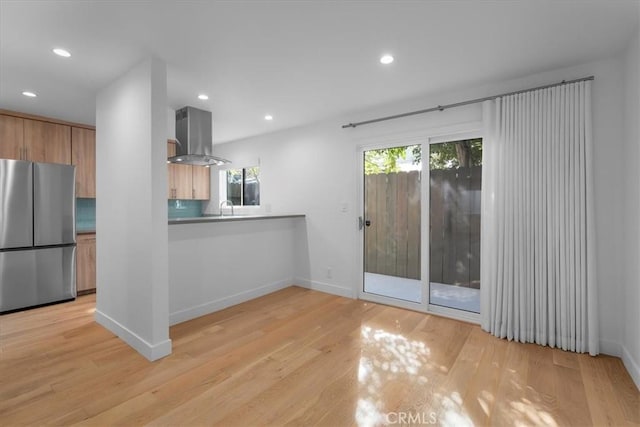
{"points": [[362, 223]]}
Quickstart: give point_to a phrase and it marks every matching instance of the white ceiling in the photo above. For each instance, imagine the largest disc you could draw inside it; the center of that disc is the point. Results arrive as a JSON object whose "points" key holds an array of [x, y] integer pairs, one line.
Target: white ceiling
{"points": [[300, 61]]}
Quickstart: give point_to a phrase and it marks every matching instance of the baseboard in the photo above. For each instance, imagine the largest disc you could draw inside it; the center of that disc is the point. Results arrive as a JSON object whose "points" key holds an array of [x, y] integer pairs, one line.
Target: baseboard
{"points": [[222, 303], [610, 348], [325, 287], [633, 367], [150, 351]]}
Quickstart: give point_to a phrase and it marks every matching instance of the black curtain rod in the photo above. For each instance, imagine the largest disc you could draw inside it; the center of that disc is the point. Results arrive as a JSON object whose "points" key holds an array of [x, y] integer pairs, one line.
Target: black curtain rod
{"points": [[460, 104]]}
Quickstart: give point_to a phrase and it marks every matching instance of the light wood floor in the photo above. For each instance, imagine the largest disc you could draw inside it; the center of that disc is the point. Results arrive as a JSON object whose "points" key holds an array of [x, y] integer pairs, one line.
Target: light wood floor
{"points": [[299, 357]]}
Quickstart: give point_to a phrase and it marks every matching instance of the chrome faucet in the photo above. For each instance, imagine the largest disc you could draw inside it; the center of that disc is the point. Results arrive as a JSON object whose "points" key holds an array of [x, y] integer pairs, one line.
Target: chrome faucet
{"points": [[228, 203]]}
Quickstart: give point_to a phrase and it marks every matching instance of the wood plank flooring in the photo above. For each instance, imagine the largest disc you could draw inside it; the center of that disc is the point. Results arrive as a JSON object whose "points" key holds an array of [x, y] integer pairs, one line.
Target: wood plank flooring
{"points": [[300, 358]]}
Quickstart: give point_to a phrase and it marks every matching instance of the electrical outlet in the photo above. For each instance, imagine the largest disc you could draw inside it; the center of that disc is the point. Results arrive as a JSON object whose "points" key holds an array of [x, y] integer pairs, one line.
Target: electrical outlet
{"points": [[329, 273], [344, 207]]}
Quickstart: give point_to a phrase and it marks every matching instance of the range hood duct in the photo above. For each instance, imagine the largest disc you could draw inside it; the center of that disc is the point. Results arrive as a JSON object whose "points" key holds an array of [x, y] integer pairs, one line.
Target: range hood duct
{"points": [[194, 139]]}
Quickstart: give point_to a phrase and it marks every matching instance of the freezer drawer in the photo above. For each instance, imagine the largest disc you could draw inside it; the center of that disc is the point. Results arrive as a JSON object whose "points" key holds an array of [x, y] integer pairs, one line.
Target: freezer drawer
{"points": [[54, 204], [16, 204], [37, 276]]}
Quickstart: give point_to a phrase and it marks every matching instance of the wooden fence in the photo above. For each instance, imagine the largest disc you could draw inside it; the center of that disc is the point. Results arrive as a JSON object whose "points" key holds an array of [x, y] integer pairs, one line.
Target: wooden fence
{"points": [[392, 241]]}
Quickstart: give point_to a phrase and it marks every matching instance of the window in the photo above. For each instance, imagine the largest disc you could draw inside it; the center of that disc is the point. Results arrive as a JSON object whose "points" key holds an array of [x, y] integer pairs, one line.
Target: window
{"points": [[241, 186]]}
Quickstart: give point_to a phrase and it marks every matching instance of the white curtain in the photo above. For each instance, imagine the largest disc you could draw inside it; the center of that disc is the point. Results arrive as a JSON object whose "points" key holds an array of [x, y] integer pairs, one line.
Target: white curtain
{"points": [[538, 257]]}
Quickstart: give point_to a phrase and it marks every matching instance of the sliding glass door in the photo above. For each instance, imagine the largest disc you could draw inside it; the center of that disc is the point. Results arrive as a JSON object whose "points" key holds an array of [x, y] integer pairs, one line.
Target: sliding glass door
{"points": [[455, 184], [392, 221], [424, 256]]}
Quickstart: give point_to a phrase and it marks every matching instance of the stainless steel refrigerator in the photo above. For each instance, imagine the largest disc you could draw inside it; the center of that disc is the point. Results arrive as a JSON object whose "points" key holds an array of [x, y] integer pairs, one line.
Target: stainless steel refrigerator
{"points": [[37, 234]]}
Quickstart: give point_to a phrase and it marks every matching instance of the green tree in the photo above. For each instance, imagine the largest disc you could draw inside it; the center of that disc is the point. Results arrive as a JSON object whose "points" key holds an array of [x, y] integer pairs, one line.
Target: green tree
{"points": [[383, 160], [448, 155]]}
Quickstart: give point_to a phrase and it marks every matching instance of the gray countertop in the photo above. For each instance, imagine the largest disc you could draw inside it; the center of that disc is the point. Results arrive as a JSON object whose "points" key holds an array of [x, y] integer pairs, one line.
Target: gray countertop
{"points": [[229, 218], [210, 218]]}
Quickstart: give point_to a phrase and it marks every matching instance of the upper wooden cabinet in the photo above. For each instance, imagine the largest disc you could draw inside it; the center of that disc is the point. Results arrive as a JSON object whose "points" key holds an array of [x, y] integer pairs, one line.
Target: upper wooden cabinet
{"points": [[187, 182], [83, 155], [35, 140], [47, 142], [171, 149], [180, 182], [201, 182], [11, 137]]}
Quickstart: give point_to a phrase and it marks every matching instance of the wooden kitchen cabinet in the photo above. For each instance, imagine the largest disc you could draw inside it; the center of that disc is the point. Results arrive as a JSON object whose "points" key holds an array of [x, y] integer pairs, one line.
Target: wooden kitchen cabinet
{"points": [[83, 156], [47, 142], [187, 182], [86, 263], [11, 137], [171, 151], [171, 148], [180, 179], [180, 182], [35, 140], [201, 182]]}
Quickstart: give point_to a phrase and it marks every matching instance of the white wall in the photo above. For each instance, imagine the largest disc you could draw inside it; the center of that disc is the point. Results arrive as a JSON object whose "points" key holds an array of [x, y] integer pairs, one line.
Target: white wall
{"points": [[215, 265], [131, 209], [312, 170], [631, 320], [171, 123]]}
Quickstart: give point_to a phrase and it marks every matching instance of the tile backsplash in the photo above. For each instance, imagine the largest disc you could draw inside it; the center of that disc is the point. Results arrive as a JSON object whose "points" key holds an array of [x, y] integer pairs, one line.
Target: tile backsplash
{"points": [[86, 211], [184, 208], [85, 214]]}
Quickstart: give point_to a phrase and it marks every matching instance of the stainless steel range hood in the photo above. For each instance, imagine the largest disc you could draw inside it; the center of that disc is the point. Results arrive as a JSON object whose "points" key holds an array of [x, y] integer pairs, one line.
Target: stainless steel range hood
{"points": [[194, 138]]}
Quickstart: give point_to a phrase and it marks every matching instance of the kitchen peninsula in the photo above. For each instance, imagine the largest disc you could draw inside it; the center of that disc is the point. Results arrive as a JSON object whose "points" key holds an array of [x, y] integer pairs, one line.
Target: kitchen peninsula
{"points": [[228, 218], [219, 261]]}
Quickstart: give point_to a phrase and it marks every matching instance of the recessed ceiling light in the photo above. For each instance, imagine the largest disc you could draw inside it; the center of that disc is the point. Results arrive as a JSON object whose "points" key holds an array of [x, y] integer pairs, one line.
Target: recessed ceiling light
{"points": [[268, 117], [386, 59], [61, 52], [203, 97], [29, 94]]}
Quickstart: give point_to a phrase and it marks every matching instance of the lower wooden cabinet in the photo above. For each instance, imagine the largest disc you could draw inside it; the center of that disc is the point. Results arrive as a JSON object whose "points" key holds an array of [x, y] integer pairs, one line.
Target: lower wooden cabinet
{"points": [[86, 263]]}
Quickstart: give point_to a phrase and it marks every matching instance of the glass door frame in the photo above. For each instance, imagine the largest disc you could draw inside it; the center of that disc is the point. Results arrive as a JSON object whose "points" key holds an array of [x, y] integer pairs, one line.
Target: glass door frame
{"points": [[424, 139]]}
